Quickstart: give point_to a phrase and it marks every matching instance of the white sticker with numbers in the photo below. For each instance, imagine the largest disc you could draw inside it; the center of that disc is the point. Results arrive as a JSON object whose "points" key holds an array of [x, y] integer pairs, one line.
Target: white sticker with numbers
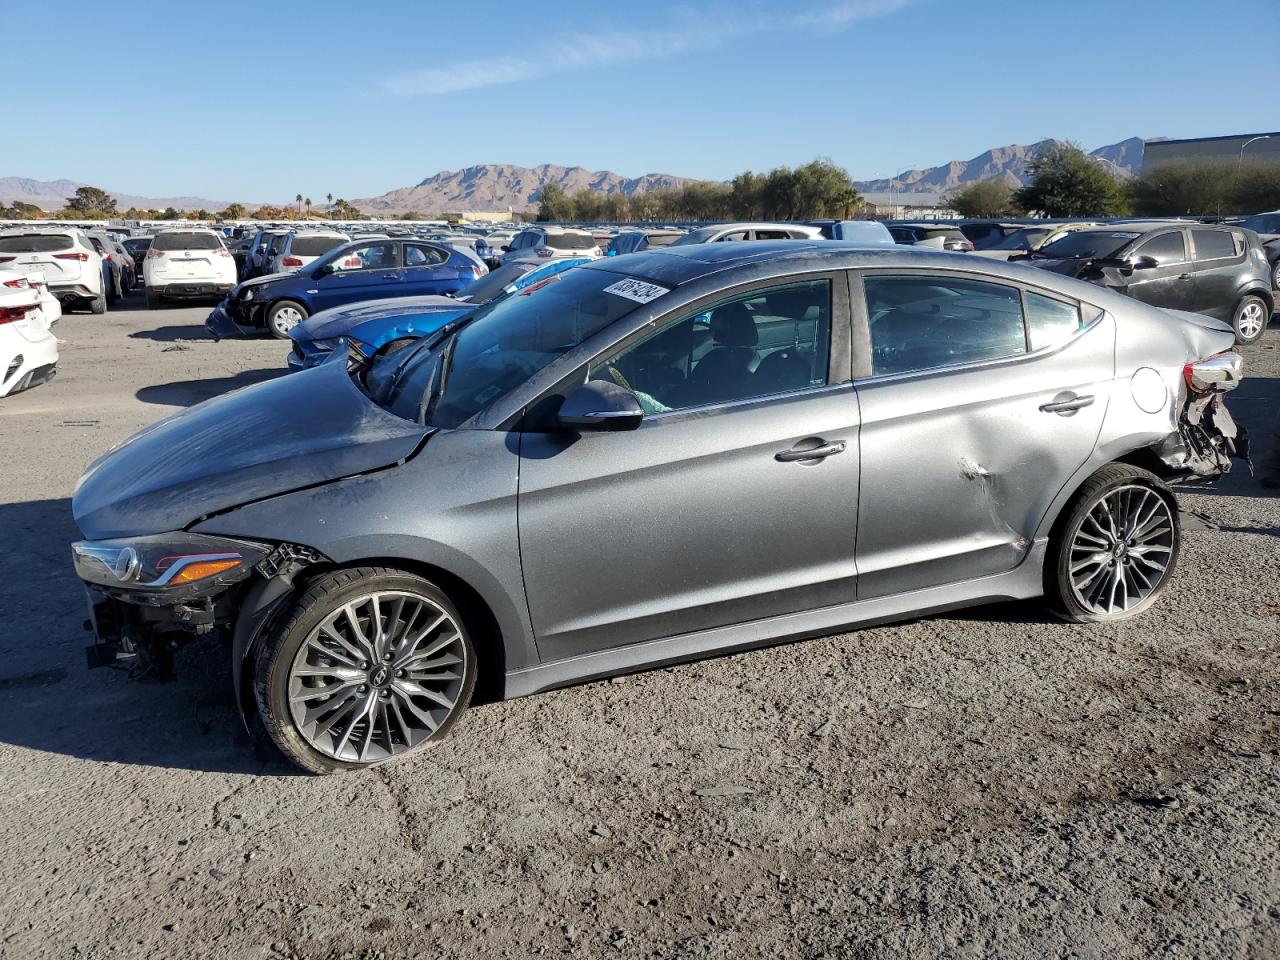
{"points": [[636, 290]]}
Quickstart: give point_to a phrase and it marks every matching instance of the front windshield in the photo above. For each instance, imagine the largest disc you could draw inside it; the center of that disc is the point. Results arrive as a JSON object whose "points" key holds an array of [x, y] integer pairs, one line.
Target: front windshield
{"points": [[1024, 239], [505, 344], [697, 236], [492, 284], [1262, 223], [1089, 244]]}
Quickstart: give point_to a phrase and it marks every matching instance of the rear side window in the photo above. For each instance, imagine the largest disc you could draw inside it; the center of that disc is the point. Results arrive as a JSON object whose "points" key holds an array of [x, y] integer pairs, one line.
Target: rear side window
{"points": [[1050, 322], [35, 243], [421, 255], [570, 241], [921, 322], [1166, 248], [186, 241], [315, 246], [1213, 244]]}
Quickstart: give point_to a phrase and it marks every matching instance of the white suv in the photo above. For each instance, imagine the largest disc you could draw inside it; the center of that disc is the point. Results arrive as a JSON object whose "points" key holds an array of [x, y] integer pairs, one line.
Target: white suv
{"points": [[540, 244], [71, 266], [299, 249], [187, 262]]}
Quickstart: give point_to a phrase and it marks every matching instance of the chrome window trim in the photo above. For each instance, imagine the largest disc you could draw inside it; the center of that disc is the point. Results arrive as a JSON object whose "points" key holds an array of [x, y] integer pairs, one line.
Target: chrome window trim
{"points": [[729, 405]]}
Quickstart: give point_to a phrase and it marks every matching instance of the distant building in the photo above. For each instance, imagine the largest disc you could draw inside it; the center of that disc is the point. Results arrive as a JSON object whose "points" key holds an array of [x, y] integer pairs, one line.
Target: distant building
{"points": [[479, 216], [1257, 147]]}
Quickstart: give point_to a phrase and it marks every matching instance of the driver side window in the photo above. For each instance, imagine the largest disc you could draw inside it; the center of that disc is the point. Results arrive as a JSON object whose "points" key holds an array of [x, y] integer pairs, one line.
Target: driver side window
{"points": [[770, 341]]}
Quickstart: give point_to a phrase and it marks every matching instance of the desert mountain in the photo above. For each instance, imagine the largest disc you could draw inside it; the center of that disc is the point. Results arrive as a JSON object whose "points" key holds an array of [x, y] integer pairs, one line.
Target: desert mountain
{"points": [[53, 195]]}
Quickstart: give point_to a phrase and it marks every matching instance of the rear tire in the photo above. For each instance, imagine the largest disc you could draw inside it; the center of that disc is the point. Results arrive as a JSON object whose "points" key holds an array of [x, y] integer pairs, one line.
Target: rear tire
{"points": [[1114, 547], [113, 293], [387, 701], [1250, 319], [153, 300], [284, 316], [98, 304]]}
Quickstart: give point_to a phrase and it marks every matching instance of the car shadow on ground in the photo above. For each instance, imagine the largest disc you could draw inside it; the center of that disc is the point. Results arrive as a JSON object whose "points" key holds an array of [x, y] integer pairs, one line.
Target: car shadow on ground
{"points": [[51, 701], [171, 334], [186, 393]]}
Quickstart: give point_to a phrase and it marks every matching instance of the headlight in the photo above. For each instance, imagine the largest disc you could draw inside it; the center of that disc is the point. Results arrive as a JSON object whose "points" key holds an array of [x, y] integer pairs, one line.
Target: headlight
{"points": [[323, 346], [166, 561]]}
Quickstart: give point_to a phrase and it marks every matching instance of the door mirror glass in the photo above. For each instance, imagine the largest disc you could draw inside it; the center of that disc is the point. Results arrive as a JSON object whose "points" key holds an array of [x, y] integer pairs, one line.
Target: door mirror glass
{"points": [[600, 405], [323, 271], [505, 248], [1143, 262]]}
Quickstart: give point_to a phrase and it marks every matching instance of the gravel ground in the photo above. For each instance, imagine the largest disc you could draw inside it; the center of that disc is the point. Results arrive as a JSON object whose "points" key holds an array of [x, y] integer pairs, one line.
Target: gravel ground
{"points": [[991, 783]]}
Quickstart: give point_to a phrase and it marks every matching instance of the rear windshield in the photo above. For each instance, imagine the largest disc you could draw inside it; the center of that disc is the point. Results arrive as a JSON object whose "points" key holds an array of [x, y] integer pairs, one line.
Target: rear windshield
{"points": [[570, 241], [35, 243], [186, 241], [315, 246], [663, 239], [137, 243], [696, 236]]}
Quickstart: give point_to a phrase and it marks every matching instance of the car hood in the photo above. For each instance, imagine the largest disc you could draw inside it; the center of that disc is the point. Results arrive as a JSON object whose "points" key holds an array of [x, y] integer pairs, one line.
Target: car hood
{"points": [[1072, 267], [260, 441], [340, 321], [267, 278]]}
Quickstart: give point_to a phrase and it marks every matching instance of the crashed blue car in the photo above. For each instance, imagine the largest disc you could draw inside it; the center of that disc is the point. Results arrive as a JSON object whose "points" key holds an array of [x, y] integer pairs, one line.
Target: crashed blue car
{"points": [[378, 324]]}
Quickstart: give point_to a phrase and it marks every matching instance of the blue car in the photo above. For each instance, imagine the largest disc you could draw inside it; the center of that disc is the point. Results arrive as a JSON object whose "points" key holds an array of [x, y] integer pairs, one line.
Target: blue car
{"points": [[354, 272], [379, 323]]}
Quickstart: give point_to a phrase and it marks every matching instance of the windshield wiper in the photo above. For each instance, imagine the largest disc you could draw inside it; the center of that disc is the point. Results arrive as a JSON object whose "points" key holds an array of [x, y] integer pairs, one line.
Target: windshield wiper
{"points": [[438, 381]]}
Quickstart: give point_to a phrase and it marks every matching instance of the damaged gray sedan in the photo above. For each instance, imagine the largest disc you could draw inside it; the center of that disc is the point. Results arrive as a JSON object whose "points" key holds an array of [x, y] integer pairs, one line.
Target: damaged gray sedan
{"points": [[654, 458]]}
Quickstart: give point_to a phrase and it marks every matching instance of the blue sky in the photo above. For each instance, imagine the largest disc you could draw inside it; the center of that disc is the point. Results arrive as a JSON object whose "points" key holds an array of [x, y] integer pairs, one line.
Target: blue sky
{"points": [[260, 101]]}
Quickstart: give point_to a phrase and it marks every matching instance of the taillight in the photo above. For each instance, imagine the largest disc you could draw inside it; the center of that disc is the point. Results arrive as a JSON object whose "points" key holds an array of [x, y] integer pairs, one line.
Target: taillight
{"points": [[12, 314], [82, 257], [18, 284], [7, 259], [154, 254], [1221, 372], [545, 252], [290, 262], [222, 252]]}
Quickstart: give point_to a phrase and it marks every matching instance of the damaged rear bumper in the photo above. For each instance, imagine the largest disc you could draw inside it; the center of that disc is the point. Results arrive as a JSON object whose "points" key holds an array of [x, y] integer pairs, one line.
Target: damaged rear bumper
{"points": [[1208, 437]]}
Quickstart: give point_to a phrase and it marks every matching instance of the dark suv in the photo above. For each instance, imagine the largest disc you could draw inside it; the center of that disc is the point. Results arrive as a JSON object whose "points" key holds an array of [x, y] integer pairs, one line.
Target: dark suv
{"points": [[1220, 271]]}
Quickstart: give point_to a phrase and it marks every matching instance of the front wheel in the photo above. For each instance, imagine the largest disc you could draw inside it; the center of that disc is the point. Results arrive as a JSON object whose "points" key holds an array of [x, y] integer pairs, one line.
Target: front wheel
{"points": [[1115, 548], [283, 317], [369, 665], [1250, 319]]}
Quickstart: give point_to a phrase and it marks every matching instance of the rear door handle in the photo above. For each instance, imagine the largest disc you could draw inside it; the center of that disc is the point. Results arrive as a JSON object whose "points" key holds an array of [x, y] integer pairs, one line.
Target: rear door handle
{"points": [[1184, 276], [1068, 406], [391, 276], [810, 453]]}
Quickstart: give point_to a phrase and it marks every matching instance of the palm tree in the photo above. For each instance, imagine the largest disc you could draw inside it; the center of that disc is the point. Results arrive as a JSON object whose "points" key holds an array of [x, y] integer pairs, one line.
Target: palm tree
{"points": [[298, 201], [308, 203], [329, 197]]}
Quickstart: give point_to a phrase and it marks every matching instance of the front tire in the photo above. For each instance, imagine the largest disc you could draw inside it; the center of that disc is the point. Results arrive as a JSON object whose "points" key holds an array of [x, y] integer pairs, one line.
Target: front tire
{"points": [[370, 664], [1250, 319], [1114, 548], [283, 317]]}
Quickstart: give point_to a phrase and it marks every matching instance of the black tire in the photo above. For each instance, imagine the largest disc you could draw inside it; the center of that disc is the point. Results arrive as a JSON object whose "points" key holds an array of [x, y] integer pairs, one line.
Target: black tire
{"points": [[273, 324], [275, 655], [153, 300], [1245, 316], [98, 304], [113, 292], [1275, 275], [1118, 479]]}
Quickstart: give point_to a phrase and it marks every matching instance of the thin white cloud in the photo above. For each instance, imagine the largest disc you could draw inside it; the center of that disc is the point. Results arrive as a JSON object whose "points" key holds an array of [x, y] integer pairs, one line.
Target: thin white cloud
{"points": [[693, 31]]}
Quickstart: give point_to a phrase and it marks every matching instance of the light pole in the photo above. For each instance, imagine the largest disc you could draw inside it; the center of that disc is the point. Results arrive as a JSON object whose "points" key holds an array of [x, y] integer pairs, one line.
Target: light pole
{"points": [[1240, 163]]}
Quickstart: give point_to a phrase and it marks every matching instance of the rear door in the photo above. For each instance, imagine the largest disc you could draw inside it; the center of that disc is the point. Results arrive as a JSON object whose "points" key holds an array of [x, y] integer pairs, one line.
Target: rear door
{"points": [[973, 419], [1171, 283], [427, 271], [365, 272], [1220, 270]]}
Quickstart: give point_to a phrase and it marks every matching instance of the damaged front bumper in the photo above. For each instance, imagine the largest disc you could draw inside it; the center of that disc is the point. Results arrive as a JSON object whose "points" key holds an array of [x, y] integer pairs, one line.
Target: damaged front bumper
{"points": [[234, 319]]}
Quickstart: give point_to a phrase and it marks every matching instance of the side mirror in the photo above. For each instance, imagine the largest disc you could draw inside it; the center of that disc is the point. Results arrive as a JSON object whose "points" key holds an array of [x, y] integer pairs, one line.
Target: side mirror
{"points": [[273, 252], [504, 248], [1143, 262], [323, 270], [600, 405]]}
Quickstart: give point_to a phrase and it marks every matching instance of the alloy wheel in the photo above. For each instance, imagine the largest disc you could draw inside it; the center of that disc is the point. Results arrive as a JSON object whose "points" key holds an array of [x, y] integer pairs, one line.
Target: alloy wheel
{"points": [[377, 676], [1252, 319], [1121, 551]]}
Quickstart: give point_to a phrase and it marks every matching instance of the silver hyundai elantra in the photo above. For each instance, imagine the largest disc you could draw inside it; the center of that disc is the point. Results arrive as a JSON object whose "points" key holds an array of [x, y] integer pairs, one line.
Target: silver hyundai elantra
{"points": [[653, 458]]}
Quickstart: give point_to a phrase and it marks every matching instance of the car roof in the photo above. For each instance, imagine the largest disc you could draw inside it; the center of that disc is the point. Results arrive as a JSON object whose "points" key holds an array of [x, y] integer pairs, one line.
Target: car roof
{"points": [[923, 226], [1141, 226]]}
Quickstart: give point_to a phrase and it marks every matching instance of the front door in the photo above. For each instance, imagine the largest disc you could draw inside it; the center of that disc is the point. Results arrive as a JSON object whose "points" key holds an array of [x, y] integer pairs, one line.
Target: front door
{"points": [[369, 272], [710, 513], [972, 422], [1169, 284]]}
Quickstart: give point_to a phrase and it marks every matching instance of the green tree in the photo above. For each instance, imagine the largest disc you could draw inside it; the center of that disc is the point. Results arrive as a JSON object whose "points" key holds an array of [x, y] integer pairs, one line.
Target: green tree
{"points": [[170, 214], [90, 202], [298, 200], [554, 204], [329, 198], [22, 211], [986, 198], [234, 211], [308, 203], [1067, 182]]}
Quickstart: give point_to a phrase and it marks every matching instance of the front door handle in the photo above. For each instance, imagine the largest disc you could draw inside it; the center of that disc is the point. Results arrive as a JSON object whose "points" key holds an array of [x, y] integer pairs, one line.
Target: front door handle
{"points": [[1068, 406], [1184, 276], [810, 453], [391, 276]]}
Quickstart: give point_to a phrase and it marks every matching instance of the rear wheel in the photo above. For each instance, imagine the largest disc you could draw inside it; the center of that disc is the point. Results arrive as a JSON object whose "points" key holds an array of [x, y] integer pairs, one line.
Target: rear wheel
{"points": [[1250, 319], [1115, 548], [98, 304], [153, 300], [371, 664], [113, 291], [284, 316]]}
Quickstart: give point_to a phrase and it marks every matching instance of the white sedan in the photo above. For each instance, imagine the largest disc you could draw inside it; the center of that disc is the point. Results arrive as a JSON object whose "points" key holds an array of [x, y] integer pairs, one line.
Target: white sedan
{"points": [[28, 349]]}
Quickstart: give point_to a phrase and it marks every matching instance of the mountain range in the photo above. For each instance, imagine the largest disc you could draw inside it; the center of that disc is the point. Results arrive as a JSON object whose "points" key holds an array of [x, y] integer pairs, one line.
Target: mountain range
{"points": [[497, 187]]}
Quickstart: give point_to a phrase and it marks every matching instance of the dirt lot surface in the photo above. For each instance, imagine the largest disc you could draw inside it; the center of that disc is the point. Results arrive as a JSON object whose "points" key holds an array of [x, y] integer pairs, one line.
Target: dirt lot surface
{"points": [[991, 783]]}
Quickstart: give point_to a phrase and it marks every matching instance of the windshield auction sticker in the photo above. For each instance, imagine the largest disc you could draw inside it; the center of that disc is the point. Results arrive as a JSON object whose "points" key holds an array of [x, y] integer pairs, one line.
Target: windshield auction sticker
{"points": [[636, 290]]}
